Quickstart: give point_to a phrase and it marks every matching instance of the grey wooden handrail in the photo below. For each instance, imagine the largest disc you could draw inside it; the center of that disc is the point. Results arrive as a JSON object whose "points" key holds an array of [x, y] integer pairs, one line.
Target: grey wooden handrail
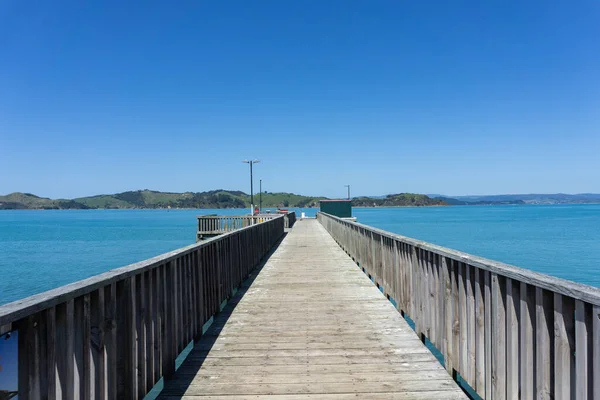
{"points": [[116, 334], [509, 332]]}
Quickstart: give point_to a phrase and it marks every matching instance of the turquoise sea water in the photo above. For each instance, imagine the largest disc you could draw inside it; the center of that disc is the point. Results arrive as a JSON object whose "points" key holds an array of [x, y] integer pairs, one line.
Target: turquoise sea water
{"points": [[41, 250], [559, 240]]}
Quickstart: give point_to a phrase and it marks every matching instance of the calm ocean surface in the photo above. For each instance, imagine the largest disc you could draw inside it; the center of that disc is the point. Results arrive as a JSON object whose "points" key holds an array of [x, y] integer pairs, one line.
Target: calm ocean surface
{"points": [[41, 250]]}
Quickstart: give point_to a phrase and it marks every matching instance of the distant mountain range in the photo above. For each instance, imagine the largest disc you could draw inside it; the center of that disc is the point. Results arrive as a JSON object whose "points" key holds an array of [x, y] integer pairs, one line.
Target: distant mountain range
{"points": [[237, 199], [556, 198]]}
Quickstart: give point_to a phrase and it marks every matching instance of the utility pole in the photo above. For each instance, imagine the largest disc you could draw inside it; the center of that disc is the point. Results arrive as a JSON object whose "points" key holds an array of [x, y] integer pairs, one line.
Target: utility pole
{"points": [[260, 199], [348, 186], [251, 184]]}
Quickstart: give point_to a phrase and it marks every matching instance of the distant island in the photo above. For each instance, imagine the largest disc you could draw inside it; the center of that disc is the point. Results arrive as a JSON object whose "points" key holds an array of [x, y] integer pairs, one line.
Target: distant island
{"points": [[150, 199]]}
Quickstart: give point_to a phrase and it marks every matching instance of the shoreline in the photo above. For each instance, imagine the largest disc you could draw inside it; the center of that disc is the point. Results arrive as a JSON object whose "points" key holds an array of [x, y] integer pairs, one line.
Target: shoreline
{"points": [[299, 208]]}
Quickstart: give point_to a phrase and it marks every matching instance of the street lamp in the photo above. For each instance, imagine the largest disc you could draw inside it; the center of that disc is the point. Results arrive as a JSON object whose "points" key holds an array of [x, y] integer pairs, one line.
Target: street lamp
{"points": [[348, 186], [251, 184]]}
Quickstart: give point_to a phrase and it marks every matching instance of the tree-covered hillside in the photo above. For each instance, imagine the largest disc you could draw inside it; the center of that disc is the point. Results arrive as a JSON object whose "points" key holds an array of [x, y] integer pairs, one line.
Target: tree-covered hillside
{"points": [[398, 200], [155, 199]]}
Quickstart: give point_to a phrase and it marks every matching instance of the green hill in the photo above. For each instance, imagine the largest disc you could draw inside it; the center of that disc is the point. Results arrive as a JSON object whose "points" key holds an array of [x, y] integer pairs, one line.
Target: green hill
{"points": [[398, 200], [25, 201], [154, 199], [211, 199]]}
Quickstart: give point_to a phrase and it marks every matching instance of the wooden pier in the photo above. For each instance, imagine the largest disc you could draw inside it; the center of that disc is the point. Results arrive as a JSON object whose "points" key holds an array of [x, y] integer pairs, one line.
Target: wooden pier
{"points": [[310, 314], [214, 225], [311, 323]]}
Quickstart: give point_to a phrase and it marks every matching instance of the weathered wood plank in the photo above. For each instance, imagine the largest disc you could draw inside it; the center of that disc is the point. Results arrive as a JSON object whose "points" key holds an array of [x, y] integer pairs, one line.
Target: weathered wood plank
{"points": [[487, 294], [499, 337], [140, 330], [544, 346], [526, 341], [449, 316], [512, 338], [462, 325], [470, 304], [311, 322], [583, 350], [51, 370], [29, 352], [169, 344], [596, 352], [110, 337], [97, 348], [456, 346], [564, 347], [65, 359], [480, 333], [127, 334], [150, 316]]}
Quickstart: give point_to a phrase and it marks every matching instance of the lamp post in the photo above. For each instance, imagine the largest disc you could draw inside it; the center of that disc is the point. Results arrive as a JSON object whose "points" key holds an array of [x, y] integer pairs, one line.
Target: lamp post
{"points": [[260, 199], [348, 186], [251, 184]]}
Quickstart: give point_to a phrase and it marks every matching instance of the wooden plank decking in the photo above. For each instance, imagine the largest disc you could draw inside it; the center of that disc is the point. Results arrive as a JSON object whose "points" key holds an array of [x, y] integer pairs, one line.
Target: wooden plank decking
{"points": [[310, 325]]}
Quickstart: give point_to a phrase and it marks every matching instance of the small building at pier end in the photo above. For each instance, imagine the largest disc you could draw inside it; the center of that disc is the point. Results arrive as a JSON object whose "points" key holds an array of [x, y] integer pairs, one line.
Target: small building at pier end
{"points": [[337, 208]]}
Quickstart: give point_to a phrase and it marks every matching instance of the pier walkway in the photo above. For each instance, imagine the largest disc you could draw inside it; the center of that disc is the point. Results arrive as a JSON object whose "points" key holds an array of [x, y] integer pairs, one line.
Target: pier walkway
{"points": [[310, 324]]}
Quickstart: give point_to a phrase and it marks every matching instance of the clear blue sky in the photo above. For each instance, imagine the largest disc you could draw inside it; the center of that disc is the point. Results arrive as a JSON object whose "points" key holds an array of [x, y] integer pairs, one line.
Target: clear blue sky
{"points": [[453, 97]]}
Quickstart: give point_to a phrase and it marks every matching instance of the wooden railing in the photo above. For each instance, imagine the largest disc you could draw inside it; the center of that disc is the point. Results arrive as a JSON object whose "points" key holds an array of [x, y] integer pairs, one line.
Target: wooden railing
{"points": [[113, 336], [510, 333], [211, 225]]}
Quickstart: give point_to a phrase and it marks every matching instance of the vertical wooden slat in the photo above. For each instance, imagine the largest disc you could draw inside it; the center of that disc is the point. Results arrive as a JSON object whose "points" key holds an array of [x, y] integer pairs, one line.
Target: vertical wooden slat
{"points": [[110, 339], [51, 353], [488, 333], [194, 294], [564, 347], [412, 282], [512, 338], [428, 292], [544, 326], [158, 310], [449, 316], [169, 332], [189, 299], [149, 319], [583, 350], [65, 359], [471, 312], [98, 372], [499, 335], [140, 328], [526, 341], [179, 299], [29, 358], [456, 343], [440, 290], [82, 351], [596, 352], [186, 300], [462, 326], [127, 349], [479, 333]]}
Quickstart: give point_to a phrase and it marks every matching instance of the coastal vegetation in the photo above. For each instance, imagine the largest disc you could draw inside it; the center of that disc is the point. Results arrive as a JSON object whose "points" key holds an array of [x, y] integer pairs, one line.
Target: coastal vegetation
{"points": [[156, 200], [238, 199], [398, 200]]}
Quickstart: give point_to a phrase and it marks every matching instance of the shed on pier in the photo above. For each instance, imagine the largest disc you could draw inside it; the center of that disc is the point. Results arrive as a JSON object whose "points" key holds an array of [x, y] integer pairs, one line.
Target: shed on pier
{"points": [[338, 208]]}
